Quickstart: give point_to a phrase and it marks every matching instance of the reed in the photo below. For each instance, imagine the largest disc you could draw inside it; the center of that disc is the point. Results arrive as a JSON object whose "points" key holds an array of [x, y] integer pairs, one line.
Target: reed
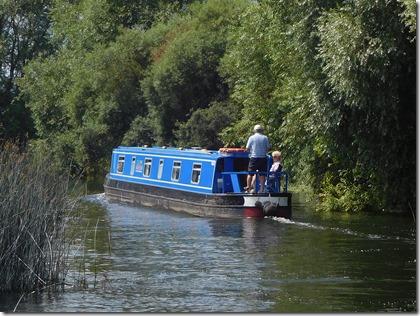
{"points": [[36, 200]]}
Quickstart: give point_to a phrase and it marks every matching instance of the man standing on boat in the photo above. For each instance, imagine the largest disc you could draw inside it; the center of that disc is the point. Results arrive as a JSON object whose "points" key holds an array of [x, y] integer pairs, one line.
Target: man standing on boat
{"points": [[258, 145]]}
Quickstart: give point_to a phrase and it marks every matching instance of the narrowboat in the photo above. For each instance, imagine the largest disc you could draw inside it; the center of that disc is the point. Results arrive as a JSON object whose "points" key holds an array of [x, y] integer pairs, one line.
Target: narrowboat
{"points": [[198, 181]]}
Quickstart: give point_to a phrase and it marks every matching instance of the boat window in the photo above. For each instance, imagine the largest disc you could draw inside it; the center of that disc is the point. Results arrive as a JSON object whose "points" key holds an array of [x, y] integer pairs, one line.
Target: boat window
{"points": [[160, 170], [176, 170], [195, 177], [147, 167], [133, 165], [120, 167]]}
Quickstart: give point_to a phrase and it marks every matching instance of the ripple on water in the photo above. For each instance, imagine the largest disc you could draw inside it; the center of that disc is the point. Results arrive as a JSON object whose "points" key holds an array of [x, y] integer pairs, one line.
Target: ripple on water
{"points": [[144, 260]]}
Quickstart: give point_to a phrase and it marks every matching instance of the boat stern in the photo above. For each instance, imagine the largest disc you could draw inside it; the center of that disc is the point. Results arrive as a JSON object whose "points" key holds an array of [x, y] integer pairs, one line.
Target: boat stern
{"points": [[261, 205]]}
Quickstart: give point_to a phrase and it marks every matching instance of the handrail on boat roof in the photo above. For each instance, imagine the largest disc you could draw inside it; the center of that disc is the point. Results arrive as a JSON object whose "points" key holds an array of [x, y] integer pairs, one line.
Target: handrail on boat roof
{"points": [[222, 152]]}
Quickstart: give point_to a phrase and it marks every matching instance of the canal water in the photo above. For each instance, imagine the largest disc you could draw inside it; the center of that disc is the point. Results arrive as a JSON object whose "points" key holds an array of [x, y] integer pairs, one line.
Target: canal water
{"points": [[128, 259]]}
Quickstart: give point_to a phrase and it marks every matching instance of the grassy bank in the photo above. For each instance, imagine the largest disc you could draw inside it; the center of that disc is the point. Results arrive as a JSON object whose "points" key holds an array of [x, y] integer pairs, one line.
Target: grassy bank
{"points": [[36, 200]]}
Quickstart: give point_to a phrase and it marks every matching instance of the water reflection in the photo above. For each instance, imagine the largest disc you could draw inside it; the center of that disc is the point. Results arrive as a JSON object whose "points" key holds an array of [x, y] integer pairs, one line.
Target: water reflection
{"points": [[226, 228], [147, 260]]}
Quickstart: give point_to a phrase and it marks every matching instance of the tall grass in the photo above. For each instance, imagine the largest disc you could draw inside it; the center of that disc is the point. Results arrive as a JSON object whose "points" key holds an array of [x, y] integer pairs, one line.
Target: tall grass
{"points": [[36, 199]]}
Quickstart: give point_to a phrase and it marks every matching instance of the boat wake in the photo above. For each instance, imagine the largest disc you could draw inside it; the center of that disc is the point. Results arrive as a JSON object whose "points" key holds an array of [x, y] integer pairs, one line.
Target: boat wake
{"points": [[345, 231], [98, 198]]}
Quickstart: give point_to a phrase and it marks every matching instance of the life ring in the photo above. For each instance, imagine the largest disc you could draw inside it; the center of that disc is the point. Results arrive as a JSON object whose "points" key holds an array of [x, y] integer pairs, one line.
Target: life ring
{"points": [[231, 150]]}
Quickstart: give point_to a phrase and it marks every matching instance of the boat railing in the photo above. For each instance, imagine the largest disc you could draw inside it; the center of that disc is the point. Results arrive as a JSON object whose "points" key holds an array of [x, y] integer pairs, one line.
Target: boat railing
{"points": [[276, 182]]}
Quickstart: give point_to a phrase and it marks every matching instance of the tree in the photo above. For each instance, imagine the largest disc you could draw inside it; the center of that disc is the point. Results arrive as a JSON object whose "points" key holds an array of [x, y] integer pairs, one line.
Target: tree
{"points": [[369, 63], [255, 67], [203, 127], [84, 97], [336, 74], [184, 75], [23, 36], [144, 14]]}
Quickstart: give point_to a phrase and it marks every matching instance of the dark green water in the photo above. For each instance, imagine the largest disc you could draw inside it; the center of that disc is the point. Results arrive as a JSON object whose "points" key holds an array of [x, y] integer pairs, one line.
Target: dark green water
{"points": [[142, 260]]}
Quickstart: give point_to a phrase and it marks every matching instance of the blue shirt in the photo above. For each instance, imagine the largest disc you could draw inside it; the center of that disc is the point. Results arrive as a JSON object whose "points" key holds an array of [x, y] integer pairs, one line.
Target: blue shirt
{"points": [[258, 145]]}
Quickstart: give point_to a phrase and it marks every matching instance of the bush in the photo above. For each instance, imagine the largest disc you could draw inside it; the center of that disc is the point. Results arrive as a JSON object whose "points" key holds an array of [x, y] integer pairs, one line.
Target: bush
{"points": [[349, 193]]}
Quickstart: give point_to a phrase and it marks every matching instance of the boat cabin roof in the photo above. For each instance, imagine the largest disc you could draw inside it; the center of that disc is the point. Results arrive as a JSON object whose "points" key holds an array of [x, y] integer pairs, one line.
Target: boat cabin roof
{"points": [[191, 169], [193, 152]]}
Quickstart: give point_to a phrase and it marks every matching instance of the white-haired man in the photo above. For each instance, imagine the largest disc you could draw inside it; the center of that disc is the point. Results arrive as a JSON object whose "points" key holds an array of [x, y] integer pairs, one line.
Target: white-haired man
{"points": [[258, 146]]}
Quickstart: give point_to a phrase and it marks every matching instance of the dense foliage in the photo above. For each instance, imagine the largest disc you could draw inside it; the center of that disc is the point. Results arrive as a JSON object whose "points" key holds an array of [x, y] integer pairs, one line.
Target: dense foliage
{"points": [[332, 83]]}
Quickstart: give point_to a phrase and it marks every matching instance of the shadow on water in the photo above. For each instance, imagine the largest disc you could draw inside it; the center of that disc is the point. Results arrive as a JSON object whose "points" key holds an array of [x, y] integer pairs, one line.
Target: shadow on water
{"points": [[147, 260]]}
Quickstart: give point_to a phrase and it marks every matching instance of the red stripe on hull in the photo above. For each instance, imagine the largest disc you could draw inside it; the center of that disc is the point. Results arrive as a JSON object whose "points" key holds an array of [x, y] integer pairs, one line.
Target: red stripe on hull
{"points": [[253, 212], [258, 212]]}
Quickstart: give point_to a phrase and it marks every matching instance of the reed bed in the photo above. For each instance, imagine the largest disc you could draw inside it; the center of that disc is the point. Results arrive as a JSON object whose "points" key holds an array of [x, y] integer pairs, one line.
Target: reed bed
{"points": [[36, 200]]}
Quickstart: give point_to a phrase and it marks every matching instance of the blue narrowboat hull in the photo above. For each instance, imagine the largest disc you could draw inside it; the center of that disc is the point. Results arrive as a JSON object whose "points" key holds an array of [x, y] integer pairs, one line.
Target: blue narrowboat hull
{"points": [[221, 205], [207, 184]]}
